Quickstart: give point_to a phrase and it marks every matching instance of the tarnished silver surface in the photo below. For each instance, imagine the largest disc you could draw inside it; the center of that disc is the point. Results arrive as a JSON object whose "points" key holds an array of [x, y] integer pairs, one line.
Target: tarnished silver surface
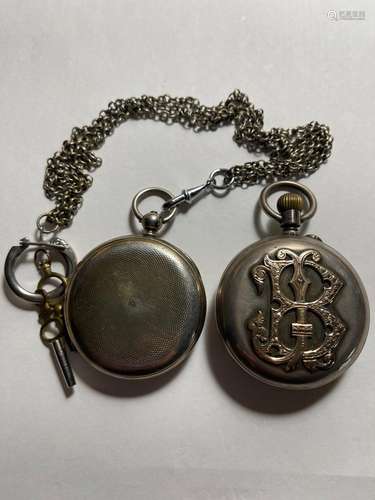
{"points": [[292, 311], [308, 324], [135, 307]]}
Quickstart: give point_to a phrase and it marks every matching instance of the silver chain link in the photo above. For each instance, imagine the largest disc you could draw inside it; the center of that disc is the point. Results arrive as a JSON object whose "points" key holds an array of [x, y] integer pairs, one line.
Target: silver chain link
{"points": [[293, 153]]}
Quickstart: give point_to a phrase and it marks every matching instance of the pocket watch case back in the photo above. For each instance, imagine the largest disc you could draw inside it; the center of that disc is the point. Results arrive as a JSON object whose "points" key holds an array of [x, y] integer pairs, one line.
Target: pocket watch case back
{"points": [[135, 307]]}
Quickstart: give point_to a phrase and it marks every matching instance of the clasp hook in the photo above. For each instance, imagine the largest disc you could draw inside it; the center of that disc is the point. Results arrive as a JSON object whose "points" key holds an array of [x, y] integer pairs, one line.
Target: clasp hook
{"points": [[190, 195]]}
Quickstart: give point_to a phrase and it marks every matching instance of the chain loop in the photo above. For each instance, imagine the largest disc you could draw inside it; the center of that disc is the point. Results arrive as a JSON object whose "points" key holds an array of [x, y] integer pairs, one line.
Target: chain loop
{"points": [[292, 153], [227, 182]]}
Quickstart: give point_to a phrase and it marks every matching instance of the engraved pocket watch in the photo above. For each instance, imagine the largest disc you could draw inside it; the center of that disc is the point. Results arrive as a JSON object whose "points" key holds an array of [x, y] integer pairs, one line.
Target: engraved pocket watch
{"points": [[292, 311]]}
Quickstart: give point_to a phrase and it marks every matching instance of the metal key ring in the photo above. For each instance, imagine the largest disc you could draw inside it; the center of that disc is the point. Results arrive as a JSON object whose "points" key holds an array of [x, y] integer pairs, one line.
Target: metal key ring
{"points": [[11, 261], [277, 186], [166, 215]]}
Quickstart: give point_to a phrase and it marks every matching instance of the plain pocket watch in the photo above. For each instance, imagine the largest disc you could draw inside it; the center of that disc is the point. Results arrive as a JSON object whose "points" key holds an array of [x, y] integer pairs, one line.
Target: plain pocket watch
{"points": [[135, 306]]}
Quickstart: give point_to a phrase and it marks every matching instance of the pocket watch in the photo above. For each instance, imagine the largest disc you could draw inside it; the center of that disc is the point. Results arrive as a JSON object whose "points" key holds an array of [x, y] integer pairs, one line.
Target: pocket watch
{"points": [[292, 311], [135, 305]]}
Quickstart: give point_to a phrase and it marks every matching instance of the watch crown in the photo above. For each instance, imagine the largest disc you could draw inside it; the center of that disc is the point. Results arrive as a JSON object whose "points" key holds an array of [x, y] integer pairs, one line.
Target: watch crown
{"points": [[290, 201]]}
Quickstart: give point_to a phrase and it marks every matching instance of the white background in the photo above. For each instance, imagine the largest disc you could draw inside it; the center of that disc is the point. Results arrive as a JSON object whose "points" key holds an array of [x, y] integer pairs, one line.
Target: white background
{"points": [[207, 431]]}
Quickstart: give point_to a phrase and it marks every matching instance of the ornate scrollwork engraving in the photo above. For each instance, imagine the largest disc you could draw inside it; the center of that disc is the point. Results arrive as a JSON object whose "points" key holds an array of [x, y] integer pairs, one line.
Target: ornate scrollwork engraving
{"points": [[267, 344]]}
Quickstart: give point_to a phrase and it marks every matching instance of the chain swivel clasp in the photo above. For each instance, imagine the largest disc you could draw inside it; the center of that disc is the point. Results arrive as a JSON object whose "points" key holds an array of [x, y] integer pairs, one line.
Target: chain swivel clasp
{"points": [[190, 195], [153, 221], [187, 196]]}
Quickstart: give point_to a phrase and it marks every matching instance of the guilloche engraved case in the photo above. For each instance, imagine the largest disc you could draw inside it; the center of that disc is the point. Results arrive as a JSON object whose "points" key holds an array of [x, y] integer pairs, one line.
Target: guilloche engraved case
{"points": [[135, 307]]}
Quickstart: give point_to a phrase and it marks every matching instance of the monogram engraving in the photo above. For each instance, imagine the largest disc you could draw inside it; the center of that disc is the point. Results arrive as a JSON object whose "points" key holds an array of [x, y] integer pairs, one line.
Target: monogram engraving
{"points": [[301, 348]]}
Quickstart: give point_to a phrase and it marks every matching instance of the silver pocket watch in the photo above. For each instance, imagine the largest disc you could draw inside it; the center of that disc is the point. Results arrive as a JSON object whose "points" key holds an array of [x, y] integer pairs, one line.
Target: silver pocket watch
{"points": [[135, 306], [292, 311]]}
